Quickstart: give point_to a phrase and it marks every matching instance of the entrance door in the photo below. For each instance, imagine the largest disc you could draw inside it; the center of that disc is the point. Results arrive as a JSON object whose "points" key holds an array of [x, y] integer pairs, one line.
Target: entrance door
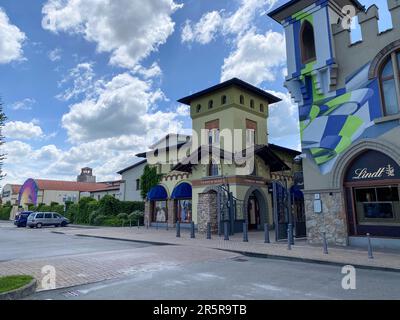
{"points": [[253, 213]]}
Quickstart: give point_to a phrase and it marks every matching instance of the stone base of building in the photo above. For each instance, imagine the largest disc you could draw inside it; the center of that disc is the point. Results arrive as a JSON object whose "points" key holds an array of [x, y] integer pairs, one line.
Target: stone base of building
{"points": [[332, 220], [207, 212]]}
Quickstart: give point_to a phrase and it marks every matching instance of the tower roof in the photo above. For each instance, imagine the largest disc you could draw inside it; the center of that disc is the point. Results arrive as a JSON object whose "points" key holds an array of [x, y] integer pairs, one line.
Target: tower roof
{"points": [[233, 82], [293, 6]]}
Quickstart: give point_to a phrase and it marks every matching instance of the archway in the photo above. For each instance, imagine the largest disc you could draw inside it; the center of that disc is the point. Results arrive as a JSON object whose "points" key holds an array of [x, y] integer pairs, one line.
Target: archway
{"points": [[372, 195], [256, 212]]}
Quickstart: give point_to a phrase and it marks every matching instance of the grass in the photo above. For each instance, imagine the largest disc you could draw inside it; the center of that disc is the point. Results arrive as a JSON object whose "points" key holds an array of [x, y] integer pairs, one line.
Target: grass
{"points": [[11, 283]]}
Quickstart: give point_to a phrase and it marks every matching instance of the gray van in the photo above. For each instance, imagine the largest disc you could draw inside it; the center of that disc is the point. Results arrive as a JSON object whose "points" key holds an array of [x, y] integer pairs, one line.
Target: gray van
{"points": [[41, 219]]}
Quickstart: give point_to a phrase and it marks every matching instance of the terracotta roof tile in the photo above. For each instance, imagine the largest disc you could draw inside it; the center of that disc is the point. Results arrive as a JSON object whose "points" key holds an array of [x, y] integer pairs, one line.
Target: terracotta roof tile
{"points": [[69, 185]]}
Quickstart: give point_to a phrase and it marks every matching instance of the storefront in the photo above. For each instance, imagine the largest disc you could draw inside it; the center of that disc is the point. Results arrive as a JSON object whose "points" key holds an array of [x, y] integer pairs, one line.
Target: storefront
{"points": [[182, 195], [158, 198], [372, 189]]}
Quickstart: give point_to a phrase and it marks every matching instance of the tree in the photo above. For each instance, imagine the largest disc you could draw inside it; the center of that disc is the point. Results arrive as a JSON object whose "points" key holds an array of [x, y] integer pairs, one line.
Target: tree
{"points": [[149, 179], [3, 119]]}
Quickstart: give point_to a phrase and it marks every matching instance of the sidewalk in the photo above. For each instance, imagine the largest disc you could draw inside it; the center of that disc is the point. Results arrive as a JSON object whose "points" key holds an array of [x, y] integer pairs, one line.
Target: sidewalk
{"points": [[389, 261]]}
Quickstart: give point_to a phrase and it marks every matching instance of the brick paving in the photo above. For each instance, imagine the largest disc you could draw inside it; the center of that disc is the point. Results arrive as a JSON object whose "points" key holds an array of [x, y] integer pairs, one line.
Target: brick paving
{"points": [[301, 251], [82, 269]]}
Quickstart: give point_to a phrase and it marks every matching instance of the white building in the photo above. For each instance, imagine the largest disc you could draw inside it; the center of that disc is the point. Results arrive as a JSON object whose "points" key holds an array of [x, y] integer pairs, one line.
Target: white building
{"points": [[130, 189]]}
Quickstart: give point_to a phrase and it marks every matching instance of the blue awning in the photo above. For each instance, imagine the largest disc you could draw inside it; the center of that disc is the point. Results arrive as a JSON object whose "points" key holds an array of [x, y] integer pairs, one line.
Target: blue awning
{"points": [[182, 191], [157, 193]]}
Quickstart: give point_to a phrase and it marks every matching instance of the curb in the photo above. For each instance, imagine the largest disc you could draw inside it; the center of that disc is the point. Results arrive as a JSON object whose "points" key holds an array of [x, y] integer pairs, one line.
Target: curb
{"points": [[256, 255], [20, 293]]}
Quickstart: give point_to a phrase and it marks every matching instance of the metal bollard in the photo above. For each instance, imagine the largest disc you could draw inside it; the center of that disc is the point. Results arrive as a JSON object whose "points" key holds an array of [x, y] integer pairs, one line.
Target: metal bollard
{"points": [[289, 232], [208, 231], [325, 243], [266, 231], [138, 224], [192, 233], [370, 254], [226, 231], [167, 226], [178, 229], [245, 233]]}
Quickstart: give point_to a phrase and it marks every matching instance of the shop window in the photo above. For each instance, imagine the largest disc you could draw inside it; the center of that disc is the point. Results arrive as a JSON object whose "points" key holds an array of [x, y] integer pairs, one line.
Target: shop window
{"points": [[184, 214], [390, 84], [223, 100], [241, 99], [308, 52], [379, 205], [160, 212]]}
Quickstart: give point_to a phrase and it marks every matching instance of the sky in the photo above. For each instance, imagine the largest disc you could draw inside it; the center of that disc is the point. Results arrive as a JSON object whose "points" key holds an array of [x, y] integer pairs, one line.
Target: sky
{"points": [[93, 82]]}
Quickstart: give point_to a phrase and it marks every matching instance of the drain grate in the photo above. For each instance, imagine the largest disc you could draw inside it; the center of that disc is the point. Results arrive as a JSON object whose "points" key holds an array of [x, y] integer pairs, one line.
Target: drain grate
{"points": [[69, 294]]}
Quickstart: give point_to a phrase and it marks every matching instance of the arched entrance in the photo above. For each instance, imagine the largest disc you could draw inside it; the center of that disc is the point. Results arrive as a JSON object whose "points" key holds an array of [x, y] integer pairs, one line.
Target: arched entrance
{"points": [[256, 209], [372, 193]]}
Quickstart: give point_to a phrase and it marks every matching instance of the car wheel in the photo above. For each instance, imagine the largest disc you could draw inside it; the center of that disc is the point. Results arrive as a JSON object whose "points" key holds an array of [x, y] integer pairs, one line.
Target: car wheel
{"points": [[63, 224], [39, 225]]}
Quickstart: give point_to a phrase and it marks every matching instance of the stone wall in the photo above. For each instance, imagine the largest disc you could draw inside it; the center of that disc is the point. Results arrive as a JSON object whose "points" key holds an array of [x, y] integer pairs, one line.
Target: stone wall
{"points": [[207, 212], [147, 213], [332, 220]]}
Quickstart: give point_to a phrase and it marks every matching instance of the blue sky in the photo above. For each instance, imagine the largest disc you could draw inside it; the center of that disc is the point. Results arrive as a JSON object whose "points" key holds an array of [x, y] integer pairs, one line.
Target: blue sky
{"points": [[89, 83]]}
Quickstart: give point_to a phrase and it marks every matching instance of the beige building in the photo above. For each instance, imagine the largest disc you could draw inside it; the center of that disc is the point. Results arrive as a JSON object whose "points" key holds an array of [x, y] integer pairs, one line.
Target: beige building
{"points": [[10, 194], [229, 136]]}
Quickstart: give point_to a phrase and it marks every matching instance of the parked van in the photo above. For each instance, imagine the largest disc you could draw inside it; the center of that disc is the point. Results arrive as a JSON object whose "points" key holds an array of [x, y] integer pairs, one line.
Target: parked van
{"points": [[41, 219], [22, 218]]}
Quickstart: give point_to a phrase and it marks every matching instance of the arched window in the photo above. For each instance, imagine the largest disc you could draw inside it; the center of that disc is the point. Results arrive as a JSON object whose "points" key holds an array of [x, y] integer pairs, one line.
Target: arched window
{"points": [[252, 103], [213, 170], [308, 52], [390, 84], [223, 100], [198, 108], [262, 108], [210, 104], [241, 99]]}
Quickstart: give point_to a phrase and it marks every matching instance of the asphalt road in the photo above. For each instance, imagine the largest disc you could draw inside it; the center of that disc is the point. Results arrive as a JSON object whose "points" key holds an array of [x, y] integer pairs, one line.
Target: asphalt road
{"points": [[24, 244], [247, 278], [180, 272]]}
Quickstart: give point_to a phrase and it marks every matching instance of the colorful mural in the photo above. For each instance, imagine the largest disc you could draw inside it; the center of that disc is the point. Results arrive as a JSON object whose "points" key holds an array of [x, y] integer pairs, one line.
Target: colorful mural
{"points": [[28, 193], [330, 120]]}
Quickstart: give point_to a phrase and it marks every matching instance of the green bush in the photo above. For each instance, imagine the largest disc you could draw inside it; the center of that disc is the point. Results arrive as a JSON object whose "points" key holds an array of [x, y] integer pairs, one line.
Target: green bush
{"points": [[112, 222], [136, 216], [5, 212], [99, 220], [72, 212], [131, 206], [109, 206], [83, 213], [92, 216]]}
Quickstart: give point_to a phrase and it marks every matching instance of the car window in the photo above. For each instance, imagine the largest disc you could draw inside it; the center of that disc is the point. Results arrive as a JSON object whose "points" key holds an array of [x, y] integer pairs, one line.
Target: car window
{"points": [[56, 215], [48, 216], [39, 216]]}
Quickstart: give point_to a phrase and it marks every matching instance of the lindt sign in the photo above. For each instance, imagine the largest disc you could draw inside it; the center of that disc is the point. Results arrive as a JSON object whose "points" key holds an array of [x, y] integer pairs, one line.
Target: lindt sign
{"points": [[364, 173]]}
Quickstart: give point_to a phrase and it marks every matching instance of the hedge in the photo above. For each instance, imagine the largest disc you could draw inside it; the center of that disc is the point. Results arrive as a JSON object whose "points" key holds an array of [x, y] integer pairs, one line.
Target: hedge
{"points": [[5, 212]]}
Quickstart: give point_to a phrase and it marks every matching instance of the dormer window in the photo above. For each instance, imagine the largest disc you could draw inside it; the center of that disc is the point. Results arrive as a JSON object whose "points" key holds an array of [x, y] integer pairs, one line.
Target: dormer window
{"points": [[252, 103], [223, 100], [210, 104], [241, 99], [307, 39]]}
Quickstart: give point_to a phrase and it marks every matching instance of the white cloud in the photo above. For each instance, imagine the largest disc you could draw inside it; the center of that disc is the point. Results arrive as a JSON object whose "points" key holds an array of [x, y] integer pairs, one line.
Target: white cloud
{"points": [[203, 31], [283, 121], [55, 55], [22, 130], [183, 110], [25, 104], [128, 29], [120, 108], [234, 23], [80, 80], [11, 40], [256, 58], [154, 71]]}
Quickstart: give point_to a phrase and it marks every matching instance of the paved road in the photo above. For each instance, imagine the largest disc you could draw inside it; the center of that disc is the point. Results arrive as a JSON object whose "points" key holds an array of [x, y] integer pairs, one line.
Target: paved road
{"points": [[24, 244], [243, 278], [109, 269]]}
